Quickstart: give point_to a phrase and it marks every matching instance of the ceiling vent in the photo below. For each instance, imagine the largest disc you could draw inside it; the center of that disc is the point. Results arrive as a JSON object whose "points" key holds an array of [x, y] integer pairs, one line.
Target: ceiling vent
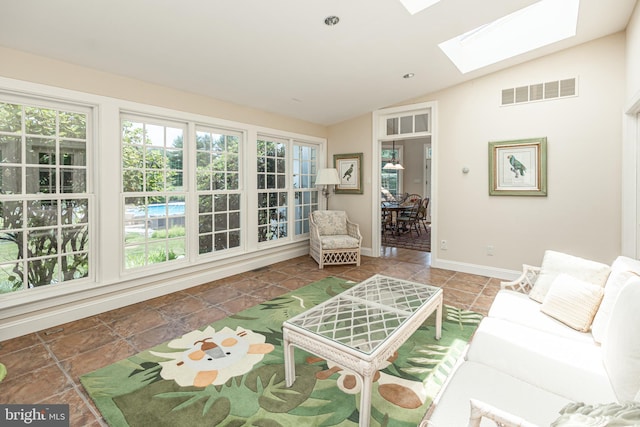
{"points": [[539, 92]]}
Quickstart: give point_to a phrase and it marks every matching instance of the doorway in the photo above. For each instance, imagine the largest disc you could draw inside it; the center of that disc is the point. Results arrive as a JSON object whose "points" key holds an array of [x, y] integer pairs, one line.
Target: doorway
{"points": [[411, 127]]}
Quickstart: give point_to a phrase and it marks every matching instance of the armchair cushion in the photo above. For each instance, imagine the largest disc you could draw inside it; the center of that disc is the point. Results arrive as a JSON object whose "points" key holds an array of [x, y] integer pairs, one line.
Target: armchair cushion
{"points": [[340, 241], [330, 223], [555, 263]]}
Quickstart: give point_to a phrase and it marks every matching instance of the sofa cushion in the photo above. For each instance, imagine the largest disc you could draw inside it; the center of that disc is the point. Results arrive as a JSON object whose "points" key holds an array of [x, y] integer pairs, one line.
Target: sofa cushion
{"points": [[570, 368], [330, 223], [621, 347], [478, 381], [572, 301], [554, 263], [622, 269], [519, 308], [340, 241]]}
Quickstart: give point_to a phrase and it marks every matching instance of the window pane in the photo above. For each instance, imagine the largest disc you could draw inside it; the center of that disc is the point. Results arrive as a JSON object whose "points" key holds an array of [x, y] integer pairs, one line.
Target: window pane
{"points": [[155, 226], [422, 122], [406, 124], [392, 126], [219, 153], [10, 117], [10, 149]]}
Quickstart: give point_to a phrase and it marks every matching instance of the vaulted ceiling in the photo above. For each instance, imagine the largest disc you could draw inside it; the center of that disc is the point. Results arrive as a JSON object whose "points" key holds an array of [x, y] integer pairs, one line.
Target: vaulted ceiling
{"points": [[278, 55]]}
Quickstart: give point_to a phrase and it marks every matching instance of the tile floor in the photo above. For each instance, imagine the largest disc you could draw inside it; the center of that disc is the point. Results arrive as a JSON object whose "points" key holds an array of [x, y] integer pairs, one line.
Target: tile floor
{"points": [[44, 367]]}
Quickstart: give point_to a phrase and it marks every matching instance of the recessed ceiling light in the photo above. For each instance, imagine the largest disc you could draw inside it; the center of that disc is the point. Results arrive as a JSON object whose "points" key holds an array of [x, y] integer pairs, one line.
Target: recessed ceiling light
{"points": [[535, 26], [331, 20], [408, 76], [415, 6]]}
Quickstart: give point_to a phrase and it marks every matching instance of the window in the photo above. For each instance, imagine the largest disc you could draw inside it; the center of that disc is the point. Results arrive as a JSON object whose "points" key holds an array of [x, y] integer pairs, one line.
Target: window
{"points": [[272, 189], [218, 187], [154, 194], [44, 199], [391, 179], [305, 168]]}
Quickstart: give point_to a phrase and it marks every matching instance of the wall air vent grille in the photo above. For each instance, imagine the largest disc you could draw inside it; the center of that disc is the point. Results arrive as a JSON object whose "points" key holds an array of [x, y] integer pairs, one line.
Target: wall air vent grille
{"points": [[539, 92]]}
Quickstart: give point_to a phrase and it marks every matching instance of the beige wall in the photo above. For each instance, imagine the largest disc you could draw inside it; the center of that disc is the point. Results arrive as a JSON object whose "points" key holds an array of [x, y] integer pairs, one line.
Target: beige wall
{"points": [[581, 214], [37, 69], [633, 55], [354, 136]]}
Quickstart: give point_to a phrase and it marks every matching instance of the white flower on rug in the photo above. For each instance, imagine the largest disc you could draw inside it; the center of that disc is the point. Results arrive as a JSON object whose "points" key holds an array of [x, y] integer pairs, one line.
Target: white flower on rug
{"points": [[211, 358]]}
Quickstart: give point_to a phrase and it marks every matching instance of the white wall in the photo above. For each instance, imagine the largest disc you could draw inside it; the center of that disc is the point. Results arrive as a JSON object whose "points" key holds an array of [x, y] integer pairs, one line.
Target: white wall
{"points": [[630, 160], [582, 212]]}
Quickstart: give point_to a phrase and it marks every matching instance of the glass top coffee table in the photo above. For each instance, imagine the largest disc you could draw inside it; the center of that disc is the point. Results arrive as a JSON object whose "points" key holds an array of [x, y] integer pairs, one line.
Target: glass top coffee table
{"points": [[360, 328]]}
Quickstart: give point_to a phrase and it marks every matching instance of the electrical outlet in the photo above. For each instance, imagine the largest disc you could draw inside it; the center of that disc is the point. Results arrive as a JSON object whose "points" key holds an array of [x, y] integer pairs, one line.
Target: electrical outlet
{"points": [[443, 245], [490, 250]]}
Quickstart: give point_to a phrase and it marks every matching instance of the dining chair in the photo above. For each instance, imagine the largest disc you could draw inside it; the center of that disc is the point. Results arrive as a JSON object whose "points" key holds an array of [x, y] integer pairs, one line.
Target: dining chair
{"points": [[408, 218], [423, 214]]}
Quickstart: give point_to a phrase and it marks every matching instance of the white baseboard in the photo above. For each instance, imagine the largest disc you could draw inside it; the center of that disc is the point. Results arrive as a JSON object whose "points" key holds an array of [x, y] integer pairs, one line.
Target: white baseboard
{"points": [[33, 319], [481, 270]]}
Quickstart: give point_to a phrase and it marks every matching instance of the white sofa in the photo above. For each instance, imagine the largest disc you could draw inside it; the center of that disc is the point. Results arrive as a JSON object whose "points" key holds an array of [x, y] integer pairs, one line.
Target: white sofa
{"points": [[524, 367]]}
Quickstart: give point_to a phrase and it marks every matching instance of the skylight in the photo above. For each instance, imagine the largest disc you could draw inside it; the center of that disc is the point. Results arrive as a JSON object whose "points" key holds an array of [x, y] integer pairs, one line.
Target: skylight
{"points": [[415, 6], [542, 23]]}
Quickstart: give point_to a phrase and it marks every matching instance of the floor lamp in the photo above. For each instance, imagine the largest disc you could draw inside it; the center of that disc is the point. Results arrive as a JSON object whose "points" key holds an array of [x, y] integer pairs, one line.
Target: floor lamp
{"points": [[327, 177]]}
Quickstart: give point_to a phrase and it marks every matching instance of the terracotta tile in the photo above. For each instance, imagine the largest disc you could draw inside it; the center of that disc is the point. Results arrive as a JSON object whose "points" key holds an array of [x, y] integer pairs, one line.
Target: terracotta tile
{"points": [[158, 335], [293, 283], [80, 412], [69, 328], [251, 284], [238, 304], [471, 278], [82, 342], [462, 285], [459, 298], [274, 277], [269, 292], [35, 386], [165, 299], [27, 360], [124, 312], [203, 318], [182, 307], [482, 304], [220, 294], [96, 358], [137, 322], [18, 343]]}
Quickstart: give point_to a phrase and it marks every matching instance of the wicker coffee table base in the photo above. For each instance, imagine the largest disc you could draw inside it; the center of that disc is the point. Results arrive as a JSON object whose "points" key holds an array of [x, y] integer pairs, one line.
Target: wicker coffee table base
{"points": [[363, 365]]}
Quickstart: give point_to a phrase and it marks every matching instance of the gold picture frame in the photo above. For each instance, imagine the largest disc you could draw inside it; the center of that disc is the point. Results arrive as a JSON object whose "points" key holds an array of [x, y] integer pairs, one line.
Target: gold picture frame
{"points": [[518, 168], [349, 168]]}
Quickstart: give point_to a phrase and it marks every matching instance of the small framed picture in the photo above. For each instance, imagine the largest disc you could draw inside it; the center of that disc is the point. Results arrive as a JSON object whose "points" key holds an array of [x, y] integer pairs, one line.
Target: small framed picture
{"points": [[349, 168], [518, 168]]}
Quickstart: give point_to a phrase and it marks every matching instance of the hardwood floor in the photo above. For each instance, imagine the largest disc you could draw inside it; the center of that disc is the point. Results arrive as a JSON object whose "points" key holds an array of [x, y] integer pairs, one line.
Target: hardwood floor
{"points": [[44, 367]]}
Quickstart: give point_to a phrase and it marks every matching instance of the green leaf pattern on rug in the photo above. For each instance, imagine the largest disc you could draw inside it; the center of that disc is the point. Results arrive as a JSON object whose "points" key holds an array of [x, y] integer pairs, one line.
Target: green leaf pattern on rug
{"points": [[133, 392]]}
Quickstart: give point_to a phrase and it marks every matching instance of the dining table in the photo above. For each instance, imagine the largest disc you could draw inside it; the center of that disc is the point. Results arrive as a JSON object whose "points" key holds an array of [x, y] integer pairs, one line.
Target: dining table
{"points": [[394, 209]]}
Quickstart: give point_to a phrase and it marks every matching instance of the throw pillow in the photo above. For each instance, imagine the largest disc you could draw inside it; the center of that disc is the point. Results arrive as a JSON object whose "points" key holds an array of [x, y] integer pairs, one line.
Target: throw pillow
{"points": [[555, 263], [622, 269], [572, 301], [610, 414], [621, 346]]}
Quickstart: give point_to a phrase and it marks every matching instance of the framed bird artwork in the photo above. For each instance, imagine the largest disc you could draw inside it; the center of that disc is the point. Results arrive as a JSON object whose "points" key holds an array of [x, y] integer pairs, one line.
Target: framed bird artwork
{"points": [[349, 168], [518, 168]]}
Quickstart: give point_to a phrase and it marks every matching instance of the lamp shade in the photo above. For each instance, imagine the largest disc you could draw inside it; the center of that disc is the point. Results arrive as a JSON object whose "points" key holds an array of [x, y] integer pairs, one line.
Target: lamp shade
{"points": [[327, 176]]}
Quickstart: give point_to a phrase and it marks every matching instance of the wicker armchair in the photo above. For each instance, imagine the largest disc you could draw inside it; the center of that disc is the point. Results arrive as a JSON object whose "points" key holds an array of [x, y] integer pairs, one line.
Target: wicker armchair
{"points": [[333, 238]]}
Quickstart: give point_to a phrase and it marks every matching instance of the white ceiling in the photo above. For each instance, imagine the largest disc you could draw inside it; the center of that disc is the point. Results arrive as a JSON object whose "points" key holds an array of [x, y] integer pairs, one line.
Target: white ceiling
{"points": [[278, 55]]}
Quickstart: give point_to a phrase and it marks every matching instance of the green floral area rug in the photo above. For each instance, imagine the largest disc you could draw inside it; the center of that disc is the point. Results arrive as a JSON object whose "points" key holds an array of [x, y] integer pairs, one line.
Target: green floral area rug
{"points": [[231, 373]]}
